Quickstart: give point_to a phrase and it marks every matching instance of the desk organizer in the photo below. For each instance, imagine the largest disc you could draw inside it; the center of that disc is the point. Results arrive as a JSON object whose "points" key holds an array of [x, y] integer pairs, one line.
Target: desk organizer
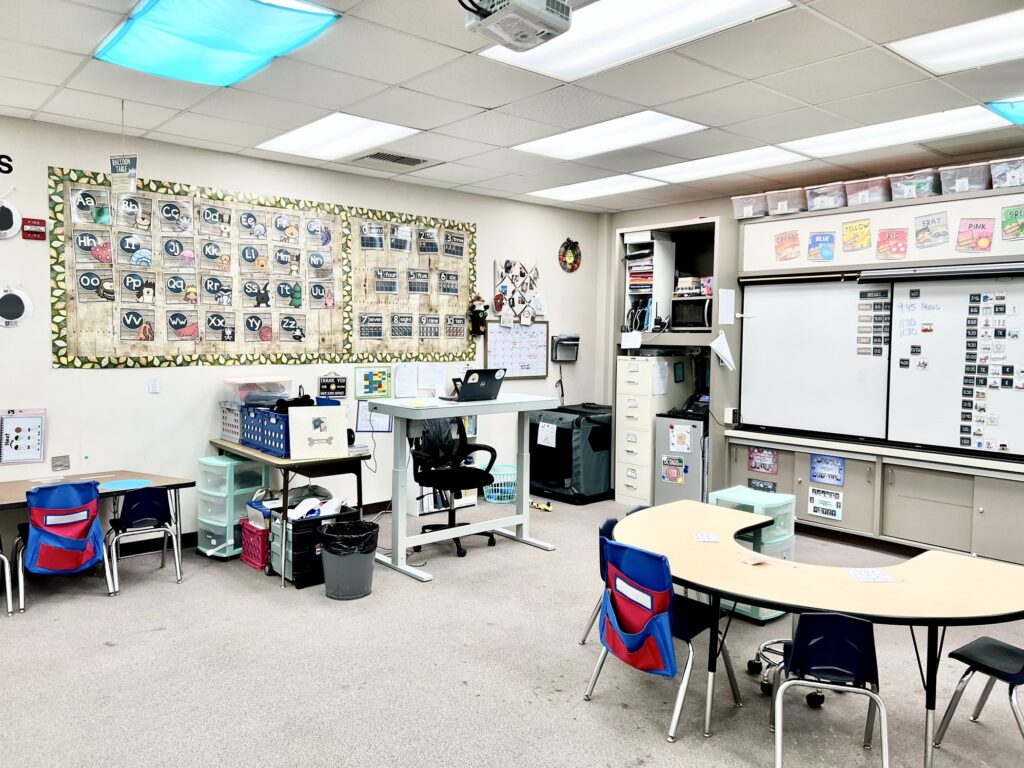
{"points": [[225, 485]]}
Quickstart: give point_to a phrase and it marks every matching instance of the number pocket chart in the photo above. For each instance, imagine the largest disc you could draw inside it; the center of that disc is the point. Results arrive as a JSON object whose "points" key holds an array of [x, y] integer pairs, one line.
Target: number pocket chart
{"points": [[176, 274], [521, 350]]}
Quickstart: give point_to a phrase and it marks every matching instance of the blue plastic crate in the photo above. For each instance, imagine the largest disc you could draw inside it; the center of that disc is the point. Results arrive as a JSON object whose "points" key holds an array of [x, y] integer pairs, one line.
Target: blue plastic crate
{"points": [[267, 431]]}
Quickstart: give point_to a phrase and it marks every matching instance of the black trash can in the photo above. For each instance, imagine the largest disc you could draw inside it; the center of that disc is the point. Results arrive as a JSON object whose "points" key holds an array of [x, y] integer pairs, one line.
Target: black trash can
{"points": [[348, 550]]}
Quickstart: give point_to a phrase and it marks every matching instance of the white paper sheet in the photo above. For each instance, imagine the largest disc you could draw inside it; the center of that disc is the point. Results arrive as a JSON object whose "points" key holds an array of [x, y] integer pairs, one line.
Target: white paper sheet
{"points": [[721, 348], [659, 377], [432, 376], [367, 421], [870, 574], [546, 434], [706, 538], [726, 306], [631, 340], [404, 380]]}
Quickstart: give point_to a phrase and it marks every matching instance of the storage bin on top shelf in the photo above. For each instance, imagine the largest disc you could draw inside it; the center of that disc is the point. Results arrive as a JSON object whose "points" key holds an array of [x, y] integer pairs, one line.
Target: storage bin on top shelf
{"points": [[267, 431], [781, 507]]}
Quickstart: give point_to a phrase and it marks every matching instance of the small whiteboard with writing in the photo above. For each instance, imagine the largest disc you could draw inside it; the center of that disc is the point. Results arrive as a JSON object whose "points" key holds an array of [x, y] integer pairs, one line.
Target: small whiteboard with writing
{"points": [[521, 350]]}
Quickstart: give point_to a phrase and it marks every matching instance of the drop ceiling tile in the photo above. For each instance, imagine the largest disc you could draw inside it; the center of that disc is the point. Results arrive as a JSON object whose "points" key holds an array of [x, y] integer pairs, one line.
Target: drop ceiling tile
{"points": [[438, 20], [658, 79], [56, 24], [434, 146], [676, 193], [920, 98], [805, 174], [40, 65], [509, 161], [425, 182], [692, 146], [891, 159], [15, 112], [736, 184], [622, 202], [567, 173], [885, 20], [309, 84], [789, 126], [850, 75], [84, 124], [570, 107], [374, 52], [999, 81], [411, 108], [23, 94], [733, 104], [455, 173], [189, 141], [498, 128], [255, 108], [629, 160], [481, 82], [279, 157], [772, 44], [469, 189], [1009, 140], [514, 183], [100, 77], [107, 109], [355, 169], [218, 130], [560, 204]]}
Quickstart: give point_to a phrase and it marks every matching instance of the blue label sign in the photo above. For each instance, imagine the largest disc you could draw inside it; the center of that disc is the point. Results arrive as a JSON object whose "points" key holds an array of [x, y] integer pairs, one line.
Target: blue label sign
{"points": [[828, 470]]}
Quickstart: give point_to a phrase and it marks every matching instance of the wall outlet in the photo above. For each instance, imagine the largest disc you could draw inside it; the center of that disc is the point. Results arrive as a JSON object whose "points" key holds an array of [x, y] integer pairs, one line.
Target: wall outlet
{"points": [[732, 416], [154, 386]]}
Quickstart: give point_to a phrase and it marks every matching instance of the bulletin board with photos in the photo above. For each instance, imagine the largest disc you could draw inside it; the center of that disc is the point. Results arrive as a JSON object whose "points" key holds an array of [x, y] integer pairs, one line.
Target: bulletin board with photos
{"points": [[175, 274]]}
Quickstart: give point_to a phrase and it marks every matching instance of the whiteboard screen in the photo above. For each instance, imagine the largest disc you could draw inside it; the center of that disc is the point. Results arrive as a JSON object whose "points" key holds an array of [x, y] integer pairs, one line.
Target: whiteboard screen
{"points": [[958, 364], [815, 357]]}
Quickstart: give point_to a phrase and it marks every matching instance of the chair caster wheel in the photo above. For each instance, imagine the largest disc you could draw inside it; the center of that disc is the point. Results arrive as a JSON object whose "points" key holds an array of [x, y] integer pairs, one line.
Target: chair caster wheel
{"points": [[491, 542], [417, 548], [670, 739], [815, 699], [267, 570], [754, 667], [766, 688], [586, 698], [460, 552]]}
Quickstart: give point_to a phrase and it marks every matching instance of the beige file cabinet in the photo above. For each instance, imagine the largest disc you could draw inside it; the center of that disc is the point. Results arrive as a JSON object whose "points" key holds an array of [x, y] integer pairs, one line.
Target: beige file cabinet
{"points": [[636, 405]]}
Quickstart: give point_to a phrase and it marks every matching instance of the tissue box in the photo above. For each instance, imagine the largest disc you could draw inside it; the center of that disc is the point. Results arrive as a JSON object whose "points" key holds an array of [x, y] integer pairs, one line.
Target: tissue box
{"points": [[749, 206], [973, 177], [786, 201], [906, 186], [1007, 173], [863, 191], [821, 197]]}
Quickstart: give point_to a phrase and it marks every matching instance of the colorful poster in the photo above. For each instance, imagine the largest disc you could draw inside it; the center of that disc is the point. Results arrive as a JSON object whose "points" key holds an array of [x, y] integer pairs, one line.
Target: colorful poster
{"points": [[931, 230], [892, 244], [828, 470], [679, 438], [975, 235], [857, 235], [764, 460], [673, 470], [825, 503], [1013, 222], [787, 246], [821, 246]]}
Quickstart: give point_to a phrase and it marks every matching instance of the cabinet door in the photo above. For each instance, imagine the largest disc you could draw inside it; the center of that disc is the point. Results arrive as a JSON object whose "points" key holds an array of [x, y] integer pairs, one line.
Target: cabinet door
{"points": [[998, 521], [928, 506], [850, 506], [740, 472]]}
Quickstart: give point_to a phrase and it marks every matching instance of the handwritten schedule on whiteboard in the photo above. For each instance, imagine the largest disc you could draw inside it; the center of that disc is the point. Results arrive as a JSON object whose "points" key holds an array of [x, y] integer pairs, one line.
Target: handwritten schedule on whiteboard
{"points": [[521, 350]]}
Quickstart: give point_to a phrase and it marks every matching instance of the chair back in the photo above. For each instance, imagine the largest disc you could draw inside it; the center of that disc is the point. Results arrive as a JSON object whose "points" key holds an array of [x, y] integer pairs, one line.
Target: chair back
{"points": [[834, 648], [64, 533], [438, 447], [145, 508], [606, 531], [636, 621]]}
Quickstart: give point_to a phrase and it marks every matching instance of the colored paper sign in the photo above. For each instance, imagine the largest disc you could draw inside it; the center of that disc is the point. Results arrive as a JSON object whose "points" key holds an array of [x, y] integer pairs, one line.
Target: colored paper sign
{"points": [[761, 485], [892, 244], [821, 246], [931, 230], [857, 235], [825, 503], [787, 246], [975, 235], [1013, 223], [764, 460], [679, 438], [828, 470], [673, 470]]}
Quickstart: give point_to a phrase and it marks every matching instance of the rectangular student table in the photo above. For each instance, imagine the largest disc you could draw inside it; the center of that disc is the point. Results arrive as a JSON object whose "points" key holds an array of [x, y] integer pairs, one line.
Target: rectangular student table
{"points": [[408, 413], [311, 468], [933, 590]]}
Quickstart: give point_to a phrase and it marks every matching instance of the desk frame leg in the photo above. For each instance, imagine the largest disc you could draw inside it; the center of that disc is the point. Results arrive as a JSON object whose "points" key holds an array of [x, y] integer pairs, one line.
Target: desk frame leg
{"points": [[284, 524], [930, 686], [716, 610], [522, 533], [177, 532], [400, 506]]}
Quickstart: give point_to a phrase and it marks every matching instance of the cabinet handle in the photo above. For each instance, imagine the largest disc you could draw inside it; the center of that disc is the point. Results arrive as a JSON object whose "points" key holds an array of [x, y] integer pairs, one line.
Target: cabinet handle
{"points": [[892, 476], [630, 485], [871, 474], [799, 481], [631, 381], [632, 418], [632, 452], [981, 510]]}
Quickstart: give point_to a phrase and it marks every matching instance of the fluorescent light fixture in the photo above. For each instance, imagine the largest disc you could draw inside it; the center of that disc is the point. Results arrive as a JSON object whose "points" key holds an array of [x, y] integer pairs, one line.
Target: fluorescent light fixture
{"points": [[1012, 110], [609, 33], [937, 125], [976, 44], [612, 185], [336, 136], [622, 132], [213, 43], [724, 165]]}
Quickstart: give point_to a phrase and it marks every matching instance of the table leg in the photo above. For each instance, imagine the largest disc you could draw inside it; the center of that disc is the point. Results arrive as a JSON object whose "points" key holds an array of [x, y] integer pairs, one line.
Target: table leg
{"points": [[522, 533], [400, 505], [931, 673], [358, 472], [284, 523], [716, 610], [177, 524]]}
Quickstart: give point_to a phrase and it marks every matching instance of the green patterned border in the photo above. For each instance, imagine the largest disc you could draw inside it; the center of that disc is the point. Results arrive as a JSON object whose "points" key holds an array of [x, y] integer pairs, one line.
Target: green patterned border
{"points": [[57, 180]]}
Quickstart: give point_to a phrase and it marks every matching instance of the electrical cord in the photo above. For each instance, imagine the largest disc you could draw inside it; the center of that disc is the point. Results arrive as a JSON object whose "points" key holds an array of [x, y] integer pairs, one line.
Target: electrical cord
{"points": [[483, 13]]}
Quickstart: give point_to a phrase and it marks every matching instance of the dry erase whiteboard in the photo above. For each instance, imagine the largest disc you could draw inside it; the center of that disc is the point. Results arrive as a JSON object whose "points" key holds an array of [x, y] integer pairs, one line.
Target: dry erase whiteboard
{"points": [[521, 350]]}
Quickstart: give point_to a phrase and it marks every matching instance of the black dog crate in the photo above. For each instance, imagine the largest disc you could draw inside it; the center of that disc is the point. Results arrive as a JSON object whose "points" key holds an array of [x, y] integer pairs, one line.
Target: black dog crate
{"points": [[578, 469], [303, 566]]}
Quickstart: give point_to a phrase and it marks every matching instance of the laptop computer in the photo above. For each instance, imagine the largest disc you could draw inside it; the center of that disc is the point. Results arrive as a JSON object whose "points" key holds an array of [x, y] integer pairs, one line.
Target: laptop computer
{"points": [[477, 384]]}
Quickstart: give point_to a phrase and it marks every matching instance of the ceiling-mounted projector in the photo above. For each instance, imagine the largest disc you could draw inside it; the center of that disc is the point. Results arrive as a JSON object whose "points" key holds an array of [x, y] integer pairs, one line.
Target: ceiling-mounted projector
{"points": [[518, 24]]}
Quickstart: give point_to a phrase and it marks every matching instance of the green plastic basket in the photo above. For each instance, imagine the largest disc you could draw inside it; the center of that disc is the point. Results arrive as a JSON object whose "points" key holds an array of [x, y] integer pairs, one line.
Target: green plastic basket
{"points": [[503, 489]]}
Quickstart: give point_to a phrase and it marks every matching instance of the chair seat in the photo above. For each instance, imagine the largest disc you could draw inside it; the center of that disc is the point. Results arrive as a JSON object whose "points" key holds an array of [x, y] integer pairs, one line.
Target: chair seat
{"points": [[993, 657], [455, 479], [690, 617], [120, 526]]}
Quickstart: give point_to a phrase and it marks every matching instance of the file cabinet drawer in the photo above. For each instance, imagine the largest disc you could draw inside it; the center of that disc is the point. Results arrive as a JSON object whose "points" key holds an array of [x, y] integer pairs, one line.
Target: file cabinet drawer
{"points": [[633, 412], [633, 446], [633, 480], [633, 377]]}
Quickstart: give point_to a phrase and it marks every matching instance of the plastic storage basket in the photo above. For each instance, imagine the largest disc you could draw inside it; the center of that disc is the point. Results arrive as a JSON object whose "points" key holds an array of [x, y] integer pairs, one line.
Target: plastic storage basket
{"points": [[503, 489], [781, 507], [255, 545], [231, 421]]}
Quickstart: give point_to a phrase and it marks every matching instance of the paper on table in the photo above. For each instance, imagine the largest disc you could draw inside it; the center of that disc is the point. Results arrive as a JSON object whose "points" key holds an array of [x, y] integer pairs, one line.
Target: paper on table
{"points": [[726, 306], [547, 434], [869, 574], [404, 380], [706, 538], [659, 377]]}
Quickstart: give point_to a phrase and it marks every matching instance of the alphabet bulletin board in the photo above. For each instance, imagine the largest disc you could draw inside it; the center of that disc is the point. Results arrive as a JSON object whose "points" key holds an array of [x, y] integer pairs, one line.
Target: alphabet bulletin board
{"points": [[175, 274]]}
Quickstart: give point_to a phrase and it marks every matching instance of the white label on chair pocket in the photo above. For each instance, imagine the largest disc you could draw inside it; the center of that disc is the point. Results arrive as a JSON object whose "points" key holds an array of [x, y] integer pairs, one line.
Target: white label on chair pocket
{"points": [[634, 594], [73, 517]]}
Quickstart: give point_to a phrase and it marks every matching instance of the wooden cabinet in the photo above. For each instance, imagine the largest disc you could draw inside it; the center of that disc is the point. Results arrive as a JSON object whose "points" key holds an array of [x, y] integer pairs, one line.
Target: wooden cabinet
{"points": [[929, 506], [997, 521], [857, 494]]}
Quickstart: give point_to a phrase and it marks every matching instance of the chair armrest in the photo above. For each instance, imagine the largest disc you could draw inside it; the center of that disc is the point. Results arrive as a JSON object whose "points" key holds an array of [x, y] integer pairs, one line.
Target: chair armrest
{"points": [[477, 447]]}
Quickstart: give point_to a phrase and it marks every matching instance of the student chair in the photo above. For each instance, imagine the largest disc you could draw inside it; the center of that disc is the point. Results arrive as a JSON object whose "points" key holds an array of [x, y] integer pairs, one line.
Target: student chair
{"points": [[605, 532], [837, 653], [438, 462], [640, 616], [143, 513], [998, 661], [6, 565], [62, 534]]}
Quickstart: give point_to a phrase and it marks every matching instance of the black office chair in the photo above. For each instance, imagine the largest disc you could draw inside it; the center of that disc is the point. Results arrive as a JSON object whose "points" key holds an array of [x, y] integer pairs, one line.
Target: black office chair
{"points": [[438, 462]]}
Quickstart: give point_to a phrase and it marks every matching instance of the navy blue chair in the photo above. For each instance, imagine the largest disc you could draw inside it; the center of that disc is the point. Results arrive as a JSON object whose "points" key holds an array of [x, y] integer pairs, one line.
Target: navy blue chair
{"points": [[998, 661], [837, 653], [143, 513], [605, 532]]}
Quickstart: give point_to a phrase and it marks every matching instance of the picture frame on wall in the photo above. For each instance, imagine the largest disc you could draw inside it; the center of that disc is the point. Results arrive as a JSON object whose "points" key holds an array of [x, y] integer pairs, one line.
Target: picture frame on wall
{"points": [[372, 381]]}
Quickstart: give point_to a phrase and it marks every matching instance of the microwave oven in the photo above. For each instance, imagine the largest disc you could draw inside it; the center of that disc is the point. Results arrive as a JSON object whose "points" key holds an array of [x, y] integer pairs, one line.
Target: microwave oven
{"points": [[690, 313]]}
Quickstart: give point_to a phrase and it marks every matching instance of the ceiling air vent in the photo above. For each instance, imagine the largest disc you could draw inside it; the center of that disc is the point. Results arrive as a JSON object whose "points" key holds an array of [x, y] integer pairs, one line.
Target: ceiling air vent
{"points": [[389, 161]]}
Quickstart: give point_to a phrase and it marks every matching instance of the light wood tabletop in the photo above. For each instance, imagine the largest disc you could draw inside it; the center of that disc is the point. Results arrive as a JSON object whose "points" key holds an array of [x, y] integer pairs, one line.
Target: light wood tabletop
{"points": [[12, 492], [933, 588], [237, 449]]}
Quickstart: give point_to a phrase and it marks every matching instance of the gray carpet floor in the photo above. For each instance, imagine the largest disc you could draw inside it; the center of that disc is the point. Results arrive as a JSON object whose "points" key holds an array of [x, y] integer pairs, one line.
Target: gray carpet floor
{"points": [[481, 667]]}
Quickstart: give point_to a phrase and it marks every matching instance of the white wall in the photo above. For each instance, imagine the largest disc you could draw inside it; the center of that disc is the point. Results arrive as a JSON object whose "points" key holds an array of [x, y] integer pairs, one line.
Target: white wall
{"points": [[104, 419]]}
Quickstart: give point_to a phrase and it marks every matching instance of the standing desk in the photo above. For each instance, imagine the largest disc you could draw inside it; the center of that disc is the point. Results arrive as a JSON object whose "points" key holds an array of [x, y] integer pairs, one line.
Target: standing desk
{"points": [[311, 468], [933, 590], [408, 413]]}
